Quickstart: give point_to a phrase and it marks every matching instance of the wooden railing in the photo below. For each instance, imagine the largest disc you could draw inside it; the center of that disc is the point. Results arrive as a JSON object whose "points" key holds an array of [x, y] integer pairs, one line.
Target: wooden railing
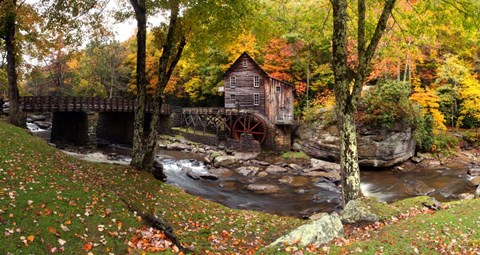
{"points": [[215, 111], [83, 104]]}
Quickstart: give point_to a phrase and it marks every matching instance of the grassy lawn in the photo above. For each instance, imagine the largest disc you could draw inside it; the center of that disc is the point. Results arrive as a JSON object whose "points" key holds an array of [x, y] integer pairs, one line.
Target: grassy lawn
{"points": [[51, 202]]}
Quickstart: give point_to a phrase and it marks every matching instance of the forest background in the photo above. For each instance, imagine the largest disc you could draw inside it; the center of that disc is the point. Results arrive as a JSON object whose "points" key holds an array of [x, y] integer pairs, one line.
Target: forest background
{"points": [[430, 53]]}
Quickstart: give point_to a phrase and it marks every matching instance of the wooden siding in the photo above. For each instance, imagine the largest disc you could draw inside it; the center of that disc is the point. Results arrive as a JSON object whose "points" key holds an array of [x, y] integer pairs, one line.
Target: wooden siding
{"points": [[279, 106], [244, 86]]}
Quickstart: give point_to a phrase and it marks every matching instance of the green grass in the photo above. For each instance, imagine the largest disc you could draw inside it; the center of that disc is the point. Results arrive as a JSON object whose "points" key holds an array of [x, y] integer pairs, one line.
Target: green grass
{"points": [[43, 190]]}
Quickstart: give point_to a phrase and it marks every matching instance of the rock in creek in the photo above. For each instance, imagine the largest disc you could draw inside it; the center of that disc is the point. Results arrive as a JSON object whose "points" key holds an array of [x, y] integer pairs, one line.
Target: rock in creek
{"points": [[322, 165], [317, 232], [475, 181], [417, 188], [157, 171], [177, 146], [248, 170], [474, 171], [263, 188], [197, 176], [43, 124], [332, 176], [273, 169], [295, 181], [225, 161]]}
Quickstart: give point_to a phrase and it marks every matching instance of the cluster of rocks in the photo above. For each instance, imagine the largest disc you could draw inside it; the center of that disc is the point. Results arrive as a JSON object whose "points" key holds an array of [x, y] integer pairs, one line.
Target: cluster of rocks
{"points": [[41, 121], [224, 163]]}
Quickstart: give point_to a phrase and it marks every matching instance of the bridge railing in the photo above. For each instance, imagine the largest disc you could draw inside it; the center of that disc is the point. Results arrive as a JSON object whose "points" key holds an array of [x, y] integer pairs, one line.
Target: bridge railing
{"points": [[83, 104]]}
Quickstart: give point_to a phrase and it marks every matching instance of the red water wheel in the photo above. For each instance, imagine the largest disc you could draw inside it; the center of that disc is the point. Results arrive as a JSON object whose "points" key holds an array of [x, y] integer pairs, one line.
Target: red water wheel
{"points": [[250, 124]]}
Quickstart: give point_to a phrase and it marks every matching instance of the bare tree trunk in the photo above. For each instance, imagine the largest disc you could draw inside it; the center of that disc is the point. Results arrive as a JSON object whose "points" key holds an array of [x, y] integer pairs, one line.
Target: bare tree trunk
{"points": [[16, 117], [138, 133]]}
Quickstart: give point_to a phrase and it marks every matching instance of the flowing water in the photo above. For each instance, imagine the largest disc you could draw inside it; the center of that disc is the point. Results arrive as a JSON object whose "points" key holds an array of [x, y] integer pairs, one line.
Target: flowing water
{"points": [[302, 197]]}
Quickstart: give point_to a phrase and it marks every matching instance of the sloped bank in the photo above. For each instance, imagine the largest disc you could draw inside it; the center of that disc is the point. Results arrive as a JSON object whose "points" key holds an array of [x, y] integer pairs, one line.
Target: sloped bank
{"points": [[377, 147]]}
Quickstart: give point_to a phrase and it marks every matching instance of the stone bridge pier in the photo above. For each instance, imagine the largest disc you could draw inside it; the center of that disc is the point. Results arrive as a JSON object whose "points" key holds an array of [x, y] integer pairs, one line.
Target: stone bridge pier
{"points": [[99, 129]]}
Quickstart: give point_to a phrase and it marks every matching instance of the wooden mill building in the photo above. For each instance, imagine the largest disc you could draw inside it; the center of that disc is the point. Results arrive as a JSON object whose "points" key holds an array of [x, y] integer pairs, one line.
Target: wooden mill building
{"points": [[248, 86], [258, 110]]}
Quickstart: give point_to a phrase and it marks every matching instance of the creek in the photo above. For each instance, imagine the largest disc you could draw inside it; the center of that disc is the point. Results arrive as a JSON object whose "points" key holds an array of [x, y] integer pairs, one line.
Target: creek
{"points": [[301, 197]]}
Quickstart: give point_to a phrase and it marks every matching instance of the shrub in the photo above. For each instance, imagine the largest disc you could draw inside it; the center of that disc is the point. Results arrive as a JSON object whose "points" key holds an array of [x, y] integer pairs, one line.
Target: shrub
{"points": [[388, 104]]}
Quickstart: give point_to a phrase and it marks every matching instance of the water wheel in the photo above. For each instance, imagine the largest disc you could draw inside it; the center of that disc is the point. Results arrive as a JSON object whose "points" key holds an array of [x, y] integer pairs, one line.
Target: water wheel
{"points": [[250, 124]]}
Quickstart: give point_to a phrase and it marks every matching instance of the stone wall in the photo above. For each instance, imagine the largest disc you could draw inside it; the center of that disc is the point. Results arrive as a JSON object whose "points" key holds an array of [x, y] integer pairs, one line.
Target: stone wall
{"points": [[246, 144]]}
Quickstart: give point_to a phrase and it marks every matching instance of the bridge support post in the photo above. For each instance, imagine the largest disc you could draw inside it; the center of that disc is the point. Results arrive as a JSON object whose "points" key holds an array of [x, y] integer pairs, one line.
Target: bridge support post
{"points": [[70, 128]]}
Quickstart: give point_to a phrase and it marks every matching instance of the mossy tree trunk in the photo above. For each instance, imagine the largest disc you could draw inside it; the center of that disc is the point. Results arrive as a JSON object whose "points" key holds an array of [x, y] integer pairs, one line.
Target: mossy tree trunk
{"points": [[348, 86], [144, 146], [141, 79], [15, 115]]}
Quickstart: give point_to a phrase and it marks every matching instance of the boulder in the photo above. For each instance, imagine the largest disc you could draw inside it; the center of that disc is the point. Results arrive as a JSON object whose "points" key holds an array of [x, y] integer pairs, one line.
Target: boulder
{"points": [[296, 167], [474, 171], [262, 174], [177, 146], [225, 161], [260, 163], [377, 147], [332, 176], [322, 165], [273, 169], [477, 192], [248, 170], [263, 188], [358, 211], [295, 181], [417, 188], [475, 181], [316, 233]]}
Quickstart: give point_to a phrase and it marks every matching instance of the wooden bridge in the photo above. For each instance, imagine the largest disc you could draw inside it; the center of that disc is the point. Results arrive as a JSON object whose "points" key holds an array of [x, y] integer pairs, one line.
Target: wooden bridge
{"points": [[83, 104]]}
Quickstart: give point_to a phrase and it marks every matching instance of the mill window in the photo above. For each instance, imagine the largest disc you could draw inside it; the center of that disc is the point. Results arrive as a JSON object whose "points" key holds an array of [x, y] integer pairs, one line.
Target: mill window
{"points": [[256, 81], [233, 82], [244, 63], [278, 89], [256, 99], [232, 96]]}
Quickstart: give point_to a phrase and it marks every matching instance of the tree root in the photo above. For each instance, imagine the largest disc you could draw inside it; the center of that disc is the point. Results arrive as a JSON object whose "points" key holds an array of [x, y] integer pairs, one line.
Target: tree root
{"points": [[159, 223]]}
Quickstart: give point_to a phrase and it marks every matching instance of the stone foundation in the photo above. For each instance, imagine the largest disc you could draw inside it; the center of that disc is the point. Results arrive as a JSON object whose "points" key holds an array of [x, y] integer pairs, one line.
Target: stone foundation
{"points": [[246, 144]]}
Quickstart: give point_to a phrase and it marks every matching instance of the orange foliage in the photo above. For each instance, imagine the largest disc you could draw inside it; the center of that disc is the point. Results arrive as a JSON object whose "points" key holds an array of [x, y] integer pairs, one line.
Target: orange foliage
{"points": [[278, 59]]}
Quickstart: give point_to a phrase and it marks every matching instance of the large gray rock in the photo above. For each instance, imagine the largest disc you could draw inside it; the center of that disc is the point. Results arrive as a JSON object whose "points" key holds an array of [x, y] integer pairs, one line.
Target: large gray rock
{"points": [[225, 161], [358, 211], [376, 147], [317, 232]]}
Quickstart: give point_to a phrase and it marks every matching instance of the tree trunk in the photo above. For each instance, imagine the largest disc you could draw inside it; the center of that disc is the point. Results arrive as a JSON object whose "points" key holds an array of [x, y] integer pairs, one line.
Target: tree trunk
{"points": [[16, 117], [167, 62], [138, 133], [346, 95]]}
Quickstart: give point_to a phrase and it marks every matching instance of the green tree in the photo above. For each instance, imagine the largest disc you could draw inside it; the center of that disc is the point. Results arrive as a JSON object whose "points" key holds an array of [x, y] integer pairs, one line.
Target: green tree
{"points": [[349, 82]]}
